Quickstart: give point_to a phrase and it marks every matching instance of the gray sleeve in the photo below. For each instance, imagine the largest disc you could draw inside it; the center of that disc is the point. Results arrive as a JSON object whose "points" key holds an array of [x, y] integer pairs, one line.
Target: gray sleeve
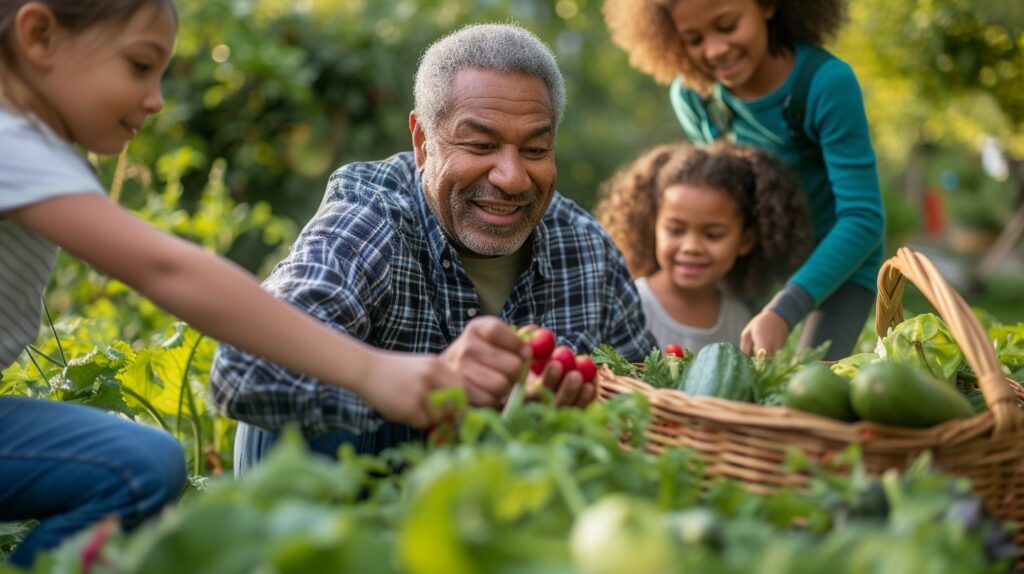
{"points": [[792, 303]]}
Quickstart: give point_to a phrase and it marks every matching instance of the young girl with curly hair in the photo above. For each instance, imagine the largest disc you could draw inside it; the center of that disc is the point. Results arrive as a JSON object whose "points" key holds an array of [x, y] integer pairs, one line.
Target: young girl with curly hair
{"points": [[753, 72], [729, 224]]}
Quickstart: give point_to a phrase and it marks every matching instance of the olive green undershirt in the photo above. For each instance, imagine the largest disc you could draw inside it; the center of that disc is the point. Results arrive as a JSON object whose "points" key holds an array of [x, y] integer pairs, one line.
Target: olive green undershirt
{"points": [[495, 277]]}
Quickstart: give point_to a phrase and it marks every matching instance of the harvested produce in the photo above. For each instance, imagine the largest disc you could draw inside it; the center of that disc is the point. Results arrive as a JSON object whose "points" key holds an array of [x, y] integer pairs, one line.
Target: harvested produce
{"points": [[816, 389], [721, 370], [900, 395]]}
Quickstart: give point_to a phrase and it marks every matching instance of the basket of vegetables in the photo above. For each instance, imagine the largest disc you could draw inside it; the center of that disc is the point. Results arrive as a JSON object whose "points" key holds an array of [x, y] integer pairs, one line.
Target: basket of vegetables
{"points": [[932, 385]]}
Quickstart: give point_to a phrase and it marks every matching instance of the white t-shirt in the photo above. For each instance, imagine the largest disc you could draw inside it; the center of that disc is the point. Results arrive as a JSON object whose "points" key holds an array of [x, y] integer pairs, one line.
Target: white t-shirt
{"points": [[733, 315], [35, 165]]}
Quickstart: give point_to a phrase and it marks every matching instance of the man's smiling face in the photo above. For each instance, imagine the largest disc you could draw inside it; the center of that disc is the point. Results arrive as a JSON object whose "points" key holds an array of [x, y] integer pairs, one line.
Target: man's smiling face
{"points": [[489, 169]]}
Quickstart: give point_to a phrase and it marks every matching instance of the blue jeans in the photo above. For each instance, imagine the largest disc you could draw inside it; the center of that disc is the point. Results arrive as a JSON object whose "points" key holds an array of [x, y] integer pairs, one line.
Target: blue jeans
{"points": [[68, 466], [252, 443]]}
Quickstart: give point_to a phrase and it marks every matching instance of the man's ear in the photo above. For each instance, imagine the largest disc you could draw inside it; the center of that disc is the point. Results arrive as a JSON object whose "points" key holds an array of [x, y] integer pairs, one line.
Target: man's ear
{"points": [[36, 34], [419, 140]]}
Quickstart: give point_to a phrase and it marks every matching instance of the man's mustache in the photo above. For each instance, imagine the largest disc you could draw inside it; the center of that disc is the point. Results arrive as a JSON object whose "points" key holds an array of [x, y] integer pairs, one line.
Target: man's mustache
{"points": [[491, 193]]}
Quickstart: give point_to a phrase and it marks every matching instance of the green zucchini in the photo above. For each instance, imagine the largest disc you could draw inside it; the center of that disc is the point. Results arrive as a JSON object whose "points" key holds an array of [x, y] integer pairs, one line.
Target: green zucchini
{"points": [[816, 389], [901, 395]]}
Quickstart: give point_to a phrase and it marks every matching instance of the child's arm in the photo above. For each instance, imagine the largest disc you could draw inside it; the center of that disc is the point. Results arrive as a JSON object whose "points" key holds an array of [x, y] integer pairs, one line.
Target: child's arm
{"points": [[222, 300], [851, 249]]}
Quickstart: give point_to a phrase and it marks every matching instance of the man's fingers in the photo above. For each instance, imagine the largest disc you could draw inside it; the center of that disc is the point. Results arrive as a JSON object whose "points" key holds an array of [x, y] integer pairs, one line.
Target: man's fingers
{"points": [[493, 358], [569, 389], [587, 395], [445, 376], [497, 333], [552, 375]]}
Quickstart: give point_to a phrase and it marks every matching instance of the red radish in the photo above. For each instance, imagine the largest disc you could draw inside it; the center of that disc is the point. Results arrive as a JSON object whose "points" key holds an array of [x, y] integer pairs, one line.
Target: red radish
{"points": [[585, 365], [540, 339], [537, 366], [674, 350], [565, 357]]}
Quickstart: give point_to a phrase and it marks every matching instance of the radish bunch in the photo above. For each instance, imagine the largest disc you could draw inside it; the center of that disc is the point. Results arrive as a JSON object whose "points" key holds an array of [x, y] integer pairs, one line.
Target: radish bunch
{"points": [[542, 344]]}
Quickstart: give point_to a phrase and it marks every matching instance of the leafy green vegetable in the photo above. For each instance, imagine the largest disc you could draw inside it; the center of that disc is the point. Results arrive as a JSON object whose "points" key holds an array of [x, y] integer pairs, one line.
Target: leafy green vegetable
{"points": [[659, 370], [1008, 341], [848, 366], [772, 374], [605, 354], [923, 341], [663, 371]]}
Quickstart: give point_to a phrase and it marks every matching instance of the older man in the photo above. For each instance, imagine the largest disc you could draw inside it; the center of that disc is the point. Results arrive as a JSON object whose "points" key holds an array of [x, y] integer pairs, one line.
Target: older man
{"points": [[440, 249]]}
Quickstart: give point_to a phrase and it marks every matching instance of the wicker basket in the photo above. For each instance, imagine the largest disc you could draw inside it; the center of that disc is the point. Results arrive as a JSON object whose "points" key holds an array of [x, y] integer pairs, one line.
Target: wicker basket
{"points": [[748, 442]]}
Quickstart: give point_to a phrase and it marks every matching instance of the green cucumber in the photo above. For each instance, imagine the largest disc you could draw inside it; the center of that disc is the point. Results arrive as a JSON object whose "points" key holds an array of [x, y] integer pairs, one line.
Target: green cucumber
{"points": [[816, 389], [901, 395], [721, 370]]}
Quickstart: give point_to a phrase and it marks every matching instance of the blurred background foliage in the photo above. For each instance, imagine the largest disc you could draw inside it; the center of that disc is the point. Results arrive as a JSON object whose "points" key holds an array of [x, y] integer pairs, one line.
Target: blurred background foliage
{"points": [[282, 92], [265, 98], [287, 91]]}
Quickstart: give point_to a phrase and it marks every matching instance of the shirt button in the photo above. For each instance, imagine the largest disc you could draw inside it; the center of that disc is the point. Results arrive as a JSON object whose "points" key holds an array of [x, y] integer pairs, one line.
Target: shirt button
{"points": [[471, 312], [446, 264]]}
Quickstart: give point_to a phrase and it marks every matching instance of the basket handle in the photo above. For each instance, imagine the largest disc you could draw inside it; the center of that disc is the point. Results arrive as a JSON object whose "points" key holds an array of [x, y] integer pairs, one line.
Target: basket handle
{"points": [[966, 330]]}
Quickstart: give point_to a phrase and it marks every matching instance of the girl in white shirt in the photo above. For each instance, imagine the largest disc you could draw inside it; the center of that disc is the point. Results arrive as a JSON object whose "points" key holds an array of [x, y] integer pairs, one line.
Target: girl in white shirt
{"points": [[706, 232], [87, 73]]}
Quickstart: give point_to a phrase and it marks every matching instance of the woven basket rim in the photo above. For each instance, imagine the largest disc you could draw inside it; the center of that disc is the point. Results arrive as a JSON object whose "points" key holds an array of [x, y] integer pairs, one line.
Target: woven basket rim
{"points": [[671, 402]]}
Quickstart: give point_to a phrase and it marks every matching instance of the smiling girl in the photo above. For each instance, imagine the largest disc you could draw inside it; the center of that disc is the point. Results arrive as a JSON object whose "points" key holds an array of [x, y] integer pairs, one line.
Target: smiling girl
{"points": [[728, 224], [753, 72], [87, 73]]}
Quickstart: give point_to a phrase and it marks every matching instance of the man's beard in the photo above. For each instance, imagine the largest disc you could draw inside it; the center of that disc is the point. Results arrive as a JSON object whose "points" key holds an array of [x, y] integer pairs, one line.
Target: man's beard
{"points": [[483, 238]]}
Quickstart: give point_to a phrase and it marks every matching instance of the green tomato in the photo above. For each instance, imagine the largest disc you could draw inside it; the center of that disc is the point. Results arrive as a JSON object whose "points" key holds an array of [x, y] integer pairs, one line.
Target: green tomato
{"points": [[618, 534]]}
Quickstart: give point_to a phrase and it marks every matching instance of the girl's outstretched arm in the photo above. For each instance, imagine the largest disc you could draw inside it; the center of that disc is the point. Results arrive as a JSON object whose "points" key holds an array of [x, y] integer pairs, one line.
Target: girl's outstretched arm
{"points": [[225, 302]]}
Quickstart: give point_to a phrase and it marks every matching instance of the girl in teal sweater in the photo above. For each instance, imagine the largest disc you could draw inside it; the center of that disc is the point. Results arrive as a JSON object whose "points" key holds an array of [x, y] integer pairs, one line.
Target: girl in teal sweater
{"points": [[752, 71]]}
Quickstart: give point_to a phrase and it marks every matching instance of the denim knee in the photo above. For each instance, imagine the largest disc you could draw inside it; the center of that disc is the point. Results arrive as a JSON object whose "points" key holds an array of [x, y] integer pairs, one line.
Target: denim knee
{"points": [[158, 473]]}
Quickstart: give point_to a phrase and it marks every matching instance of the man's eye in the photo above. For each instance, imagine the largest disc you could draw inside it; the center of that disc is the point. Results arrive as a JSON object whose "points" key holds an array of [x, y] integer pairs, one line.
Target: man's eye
{"points": [[141, 67], [535, 151]]}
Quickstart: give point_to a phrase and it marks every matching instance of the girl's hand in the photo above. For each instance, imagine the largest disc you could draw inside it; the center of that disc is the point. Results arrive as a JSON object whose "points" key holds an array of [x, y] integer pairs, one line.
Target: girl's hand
{"points": [[767, 330], [398, 386]]}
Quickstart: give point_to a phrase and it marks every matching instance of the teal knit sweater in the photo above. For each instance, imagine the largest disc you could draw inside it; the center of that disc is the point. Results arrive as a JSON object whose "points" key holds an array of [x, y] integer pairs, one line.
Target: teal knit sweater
{"points": [[842, 188]]}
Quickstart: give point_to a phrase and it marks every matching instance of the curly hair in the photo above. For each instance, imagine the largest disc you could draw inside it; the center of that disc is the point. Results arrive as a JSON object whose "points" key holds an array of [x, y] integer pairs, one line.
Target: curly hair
{"points": [[767, 192], [644, 28]]}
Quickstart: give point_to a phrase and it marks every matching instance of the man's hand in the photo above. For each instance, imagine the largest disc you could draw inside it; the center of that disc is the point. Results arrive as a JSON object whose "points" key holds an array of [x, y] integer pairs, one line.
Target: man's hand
{"points": [[569, 390], [398, 386], [767, 330], [489, 357]]}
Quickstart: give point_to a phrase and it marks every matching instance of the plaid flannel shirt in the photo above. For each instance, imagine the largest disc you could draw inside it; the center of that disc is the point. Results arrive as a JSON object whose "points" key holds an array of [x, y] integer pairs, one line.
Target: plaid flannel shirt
{"points": [[375, 263]]}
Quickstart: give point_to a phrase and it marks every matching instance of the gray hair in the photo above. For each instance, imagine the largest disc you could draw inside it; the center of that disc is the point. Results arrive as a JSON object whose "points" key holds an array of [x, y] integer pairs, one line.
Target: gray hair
{"points": [[501, 47]]}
